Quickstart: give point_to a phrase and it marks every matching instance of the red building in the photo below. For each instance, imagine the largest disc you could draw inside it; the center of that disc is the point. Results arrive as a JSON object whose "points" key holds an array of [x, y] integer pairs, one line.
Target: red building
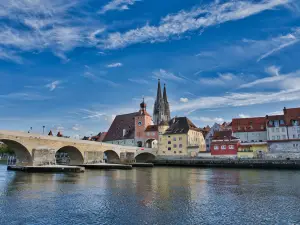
{"points": [[224, 144]]}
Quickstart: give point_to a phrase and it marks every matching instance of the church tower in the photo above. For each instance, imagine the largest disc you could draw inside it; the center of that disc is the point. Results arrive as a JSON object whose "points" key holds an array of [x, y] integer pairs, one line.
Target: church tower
{"points": [[161, 111]]}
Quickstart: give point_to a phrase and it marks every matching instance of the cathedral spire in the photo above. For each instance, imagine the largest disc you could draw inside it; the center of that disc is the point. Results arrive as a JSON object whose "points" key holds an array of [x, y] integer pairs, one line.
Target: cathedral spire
{"points": [[166, 105], [158, 96], [165, 94]]}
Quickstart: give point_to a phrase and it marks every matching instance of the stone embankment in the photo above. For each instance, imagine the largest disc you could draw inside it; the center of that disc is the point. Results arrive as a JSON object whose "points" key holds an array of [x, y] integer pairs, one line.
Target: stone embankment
{"points": [[231, 163]]}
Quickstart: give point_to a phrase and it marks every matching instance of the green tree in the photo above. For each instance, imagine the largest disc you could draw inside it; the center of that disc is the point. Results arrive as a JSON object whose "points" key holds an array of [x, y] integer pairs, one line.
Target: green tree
{"points": [[6, 149]]}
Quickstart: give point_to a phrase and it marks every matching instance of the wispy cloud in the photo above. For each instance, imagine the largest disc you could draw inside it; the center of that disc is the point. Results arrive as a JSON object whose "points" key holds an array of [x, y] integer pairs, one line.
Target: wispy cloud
{"points": [[91, 76], [119, 5], [166, 75], [289, 79], [284, 42], [239, 99], [24, 96], [207, 120], [223, 79], [184, 21], [53, 85], [50, 25], [113, 65], [138, 81]]}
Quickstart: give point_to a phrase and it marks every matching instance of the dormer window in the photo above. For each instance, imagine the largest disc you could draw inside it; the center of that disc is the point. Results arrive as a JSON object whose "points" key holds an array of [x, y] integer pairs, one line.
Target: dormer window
{"points": [[276, 123], [270, 122], [281, 122], [295, 123]]}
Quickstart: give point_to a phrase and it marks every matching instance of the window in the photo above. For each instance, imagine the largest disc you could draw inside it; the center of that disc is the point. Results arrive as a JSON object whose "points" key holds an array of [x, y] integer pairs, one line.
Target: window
{"points": [[283, 137], [207, 146], [169, 136], [273, 129], [281, 122], [223, 147], [174, 138], [180, 151], [273, 137], [174, 146], [270, 122], [164, 152], [180, 138], [169, 142], [283, 129], [169, 149], [277, 129], [231, 146], [180, 145], [174, 152], [294, 136], [298, 135], [298, 129], [276, 123], [216, 147], [278, 137]]}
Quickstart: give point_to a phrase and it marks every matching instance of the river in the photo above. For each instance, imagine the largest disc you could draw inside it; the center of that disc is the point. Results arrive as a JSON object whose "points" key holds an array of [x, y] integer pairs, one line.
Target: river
{"points": [[151, 196]]}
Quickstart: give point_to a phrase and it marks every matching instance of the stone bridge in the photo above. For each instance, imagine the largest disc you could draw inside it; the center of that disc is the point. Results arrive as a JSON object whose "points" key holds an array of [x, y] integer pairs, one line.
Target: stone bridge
{"points": [[34, 149]]}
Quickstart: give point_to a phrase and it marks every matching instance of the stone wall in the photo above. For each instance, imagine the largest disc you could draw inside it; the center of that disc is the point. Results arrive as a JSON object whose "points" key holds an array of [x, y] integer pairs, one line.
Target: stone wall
{"points": [[43, 156]]}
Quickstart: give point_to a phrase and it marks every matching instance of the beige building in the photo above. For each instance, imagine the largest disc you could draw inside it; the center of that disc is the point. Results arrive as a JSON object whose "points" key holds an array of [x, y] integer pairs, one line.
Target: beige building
{"points": [[180, 137]]}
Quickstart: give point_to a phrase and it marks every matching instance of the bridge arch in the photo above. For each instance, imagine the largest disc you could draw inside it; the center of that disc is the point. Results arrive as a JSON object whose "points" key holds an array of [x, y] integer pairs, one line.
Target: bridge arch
{"points": [[151, 143], [69, 155], [111, 156], [23, 155], [145, 157]]}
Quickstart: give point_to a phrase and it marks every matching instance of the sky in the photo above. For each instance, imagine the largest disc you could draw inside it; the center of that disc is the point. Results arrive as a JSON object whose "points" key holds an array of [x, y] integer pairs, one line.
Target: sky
{"points": [[73, 65]]}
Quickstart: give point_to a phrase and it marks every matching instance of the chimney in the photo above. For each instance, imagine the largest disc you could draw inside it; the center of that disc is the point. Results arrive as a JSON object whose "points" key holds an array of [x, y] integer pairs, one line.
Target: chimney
{"points": [[124, 132]]}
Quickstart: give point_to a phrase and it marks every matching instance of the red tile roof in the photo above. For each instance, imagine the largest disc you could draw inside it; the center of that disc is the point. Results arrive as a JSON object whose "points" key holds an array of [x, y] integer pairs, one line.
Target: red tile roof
{"points": [[151, 128], [253, 124], [290, 115], [224, 134], [180, 125], [121, 122]]}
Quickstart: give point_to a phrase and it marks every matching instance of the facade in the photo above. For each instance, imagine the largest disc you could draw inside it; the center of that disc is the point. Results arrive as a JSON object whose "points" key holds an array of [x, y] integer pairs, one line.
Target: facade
{"points": [[208, 137], [283, 132], [161, 110], [179, 137], [223, 144], [132, 129], [252, 133]]}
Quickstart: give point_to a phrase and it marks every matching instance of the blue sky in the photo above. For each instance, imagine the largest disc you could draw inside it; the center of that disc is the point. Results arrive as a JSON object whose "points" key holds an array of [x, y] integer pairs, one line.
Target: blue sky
{"points": [[72, 65]]}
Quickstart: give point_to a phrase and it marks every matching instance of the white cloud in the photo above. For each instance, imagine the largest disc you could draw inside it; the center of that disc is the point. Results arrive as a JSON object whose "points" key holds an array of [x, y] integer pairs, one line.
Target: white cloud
{"points": [[285, 81], [76, 127], [113, 65], [165, 75], [207, 120], [242, 115], [184, 21], [273, 70], [119, 5], [53, 85], [184, 100], [222, 79], [239, 99]]}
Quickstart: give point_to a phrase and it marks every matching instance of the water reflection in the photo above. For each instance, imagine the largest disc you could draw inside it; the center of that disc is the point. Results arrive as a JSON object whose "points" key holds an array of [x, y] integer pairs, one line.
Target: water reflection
{"points": [[151, 196]]}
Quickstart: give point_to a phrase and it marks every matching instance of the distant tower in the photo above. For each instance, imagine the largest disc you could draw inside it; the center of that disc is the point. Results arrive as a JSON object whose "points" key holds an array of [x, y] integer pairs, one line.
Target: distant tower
{"points": [[167, 106], [161, 111]]}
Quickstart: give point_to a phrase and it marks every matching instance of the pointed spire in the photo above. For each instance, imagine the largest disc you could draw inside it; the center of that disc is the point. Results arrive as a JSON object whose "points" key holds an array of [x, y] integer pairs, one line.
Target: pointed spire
{"points": [[165, 94], [158, 96]]}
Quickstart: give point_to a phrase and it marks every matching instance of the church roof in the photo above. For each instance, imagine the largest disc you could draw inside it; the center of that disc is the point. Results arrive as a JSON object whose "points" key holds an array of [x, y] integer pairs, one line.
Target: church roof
{"points": [[180, 125], [121, 122]]}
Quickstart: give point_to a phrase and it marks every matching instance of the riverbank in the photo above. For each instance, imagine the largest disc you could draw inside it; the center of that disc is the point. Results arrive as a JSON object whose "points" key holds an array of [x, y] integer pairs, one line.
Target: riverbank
{"points": [[231, 163]]}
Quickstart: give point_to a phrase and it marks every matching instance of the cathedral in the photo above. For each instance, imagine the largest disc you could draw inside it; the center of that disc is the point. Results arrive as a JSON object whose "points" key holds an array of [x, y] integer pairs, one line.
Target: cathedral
{"points": [[161, 111]]}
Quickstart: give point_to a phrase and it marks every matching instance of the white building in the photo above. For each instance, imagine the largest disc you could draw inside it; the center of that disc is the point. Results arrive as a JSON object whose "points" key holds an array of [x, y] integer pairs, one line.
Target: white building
{"points": [[284, 134]]}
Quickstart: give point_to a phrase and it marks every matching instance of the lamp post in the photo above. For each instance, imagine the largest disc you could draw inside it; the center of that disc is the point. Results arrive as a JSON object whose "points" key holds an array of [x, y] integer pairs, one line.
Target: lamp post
{"points": [[43, 129]]}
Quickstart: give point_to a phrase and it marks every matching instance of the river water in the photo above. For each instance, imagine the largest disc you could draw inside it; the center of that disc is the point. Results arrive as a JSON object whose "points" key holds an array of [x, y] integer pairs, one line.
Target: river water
{"points": [[151, 196]]}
